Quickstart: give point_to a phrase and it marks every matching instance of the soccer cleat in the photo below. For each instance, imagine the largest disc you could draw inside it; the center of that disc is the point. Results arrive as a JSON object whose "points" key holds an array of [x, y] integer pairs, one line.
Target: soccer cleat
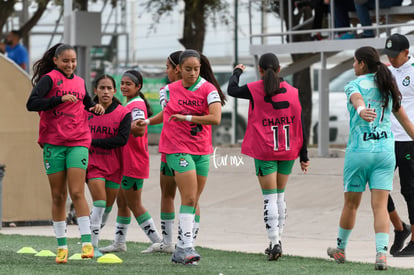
{"points": [[337, 254], [87, 251], [159, 247], [185, 256], [62, 255], [407, 251], [381, 261], [97, 253], [114, 247], [399, 238], [275, 252]]}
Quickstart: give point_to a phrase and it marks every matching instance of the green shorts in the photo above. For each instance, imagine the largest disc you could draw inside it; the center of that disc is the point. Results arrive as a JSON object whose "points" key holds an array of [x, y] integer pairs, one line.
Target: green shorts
{"points": [[165, 169], [186, 162], [108, 183], [59, 158], [128, 183], [266, 167]]}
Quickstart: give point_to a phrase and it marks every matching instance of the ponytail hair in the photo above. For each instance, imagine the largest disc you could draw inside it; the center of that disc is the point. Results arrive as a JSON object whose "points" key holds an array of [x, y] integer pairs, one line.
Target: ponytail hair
{"points": [[383, 77], [96, 83], [46, 64], [136, 77], [270, 65], [206, 72]]}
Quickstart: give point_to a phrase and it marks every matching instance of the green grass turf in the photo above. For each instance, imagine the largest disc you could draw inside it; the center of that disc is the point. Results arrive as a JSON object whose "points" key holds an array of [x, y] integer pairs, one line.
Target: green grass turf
{"points": [[212, 261]]}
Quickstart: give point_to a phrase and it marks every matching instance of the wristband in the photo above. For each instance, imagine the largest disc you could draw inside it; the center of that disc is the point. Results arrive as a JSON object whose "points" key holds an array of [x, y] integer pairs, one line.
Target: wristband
{"points": [[359, 109], [188, 117], [147, 121]]}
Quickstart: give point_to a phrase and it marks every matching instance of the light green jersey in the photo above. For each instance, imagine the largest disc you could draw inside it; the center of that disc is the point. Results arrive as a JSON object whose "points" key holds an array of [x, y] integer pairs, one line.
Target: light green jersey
{"points": [[375, 136]]}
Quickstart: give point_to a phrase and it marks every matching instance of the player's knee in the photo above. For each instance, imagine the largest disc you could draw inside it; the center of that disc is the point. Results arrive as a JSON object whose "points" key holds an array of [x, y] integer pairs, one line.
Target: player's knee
{"points": [[76, 196], [59, 199]]}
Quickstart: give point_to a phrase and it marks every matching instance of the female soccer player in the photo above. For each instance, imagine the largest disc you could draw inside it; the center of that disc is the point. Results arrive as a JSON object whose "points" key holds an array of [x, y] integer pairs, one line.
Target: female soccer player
{"points": [[135, 167], [371, 99], [109, 133], [60, 97], [194, 105], [274, 138], [168, 186]]}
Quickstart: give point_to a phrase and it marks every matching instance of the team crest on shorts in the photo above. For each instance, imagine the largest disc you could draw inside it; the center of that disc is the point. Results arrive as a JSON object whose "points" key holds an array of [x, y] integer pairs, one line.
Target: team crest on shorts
{"points": [[183, 162], [47, 164], [406, 81]]}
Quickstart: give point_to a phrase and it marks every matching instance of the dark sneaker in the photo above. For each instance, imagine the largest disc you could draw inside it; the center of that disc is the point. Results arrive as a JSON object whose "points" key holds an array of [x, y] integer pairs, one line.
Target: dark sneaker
{"points": [[337, 254], [185, 256], [381, 261], [267, 249], [399, 239], [407, 251], [275, 252]]}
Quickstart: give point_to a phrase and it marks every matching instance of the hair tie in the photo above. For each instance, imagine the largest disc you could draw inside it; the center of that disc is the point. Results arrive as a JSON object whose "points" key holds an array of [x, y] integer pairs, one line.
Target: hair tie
{"points": [[378, 63]]}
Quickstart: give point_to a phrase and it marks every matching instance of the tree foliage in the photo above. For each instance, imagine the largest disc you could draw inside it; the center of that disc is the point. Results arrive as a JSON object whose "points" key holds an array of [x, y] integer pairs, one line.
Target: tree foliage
{"points": [[196, 15], [7, 9]]}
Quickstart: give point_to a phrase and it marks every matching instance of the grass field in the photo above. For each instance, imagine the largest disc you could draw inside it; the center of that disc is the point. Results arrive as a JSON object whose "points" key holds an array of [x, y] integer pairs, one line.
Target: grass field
{"points": [[212, 261]]}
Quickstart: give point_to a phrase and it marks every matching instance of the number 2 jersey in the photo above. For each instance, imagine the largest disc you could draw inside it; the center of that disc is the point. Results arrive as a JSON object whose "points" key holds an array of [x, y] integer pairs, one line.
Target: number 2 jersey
{"points": [[274, 127], [366, 136], [184, 136]]}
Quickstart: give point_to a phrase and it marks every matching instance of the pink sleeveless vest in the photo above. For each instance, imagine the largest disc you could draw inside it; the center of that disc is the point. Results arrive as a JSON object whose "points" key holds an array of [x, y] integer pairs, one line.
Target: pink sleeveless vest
{"points": [[185, 136], [135, 152], [65, 124], [106, 163], [274, 129]]}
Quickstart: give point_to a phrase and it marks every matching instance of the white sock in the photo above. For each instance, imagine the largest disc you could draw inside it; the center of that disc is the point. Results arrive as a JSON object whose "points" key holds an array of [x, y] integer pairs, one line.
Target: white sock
{"points": [[270, 217], [96, 220], [196, 228], [60, 233], [281, 206], [185, 230], [84, 225], [151, 231], [121, 231], [167, 227], [104, 219]]}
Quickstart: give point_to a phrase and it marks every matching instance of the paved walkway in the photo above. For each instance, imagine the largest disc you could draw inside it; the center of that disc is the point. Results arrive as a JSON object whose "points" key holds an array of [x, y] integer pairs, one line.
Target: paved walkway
{"points": [[232, 215]]}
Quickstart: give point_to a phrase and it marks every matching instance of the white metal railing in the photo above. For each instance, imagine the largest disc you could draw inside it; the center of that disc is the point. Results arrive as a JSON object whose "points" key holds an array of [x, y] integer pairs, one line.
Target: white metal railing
{"points": [[291, 30]]}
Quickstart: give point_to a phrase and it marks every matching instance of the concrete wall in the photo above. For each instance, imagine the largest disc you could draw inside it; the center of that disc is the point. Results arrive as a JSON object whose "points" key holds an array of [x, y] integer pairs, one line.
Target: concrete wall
{"points": [[26, 193]]}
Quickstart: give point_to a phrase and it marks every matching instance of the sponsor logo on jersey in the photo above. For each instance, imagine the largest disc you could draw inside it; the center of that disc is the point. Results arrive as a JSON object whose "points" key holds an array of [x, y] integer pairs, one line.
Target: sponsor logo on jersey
{"points": [[59, 113], [184, 102], [375, 136], [278, 121]]}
